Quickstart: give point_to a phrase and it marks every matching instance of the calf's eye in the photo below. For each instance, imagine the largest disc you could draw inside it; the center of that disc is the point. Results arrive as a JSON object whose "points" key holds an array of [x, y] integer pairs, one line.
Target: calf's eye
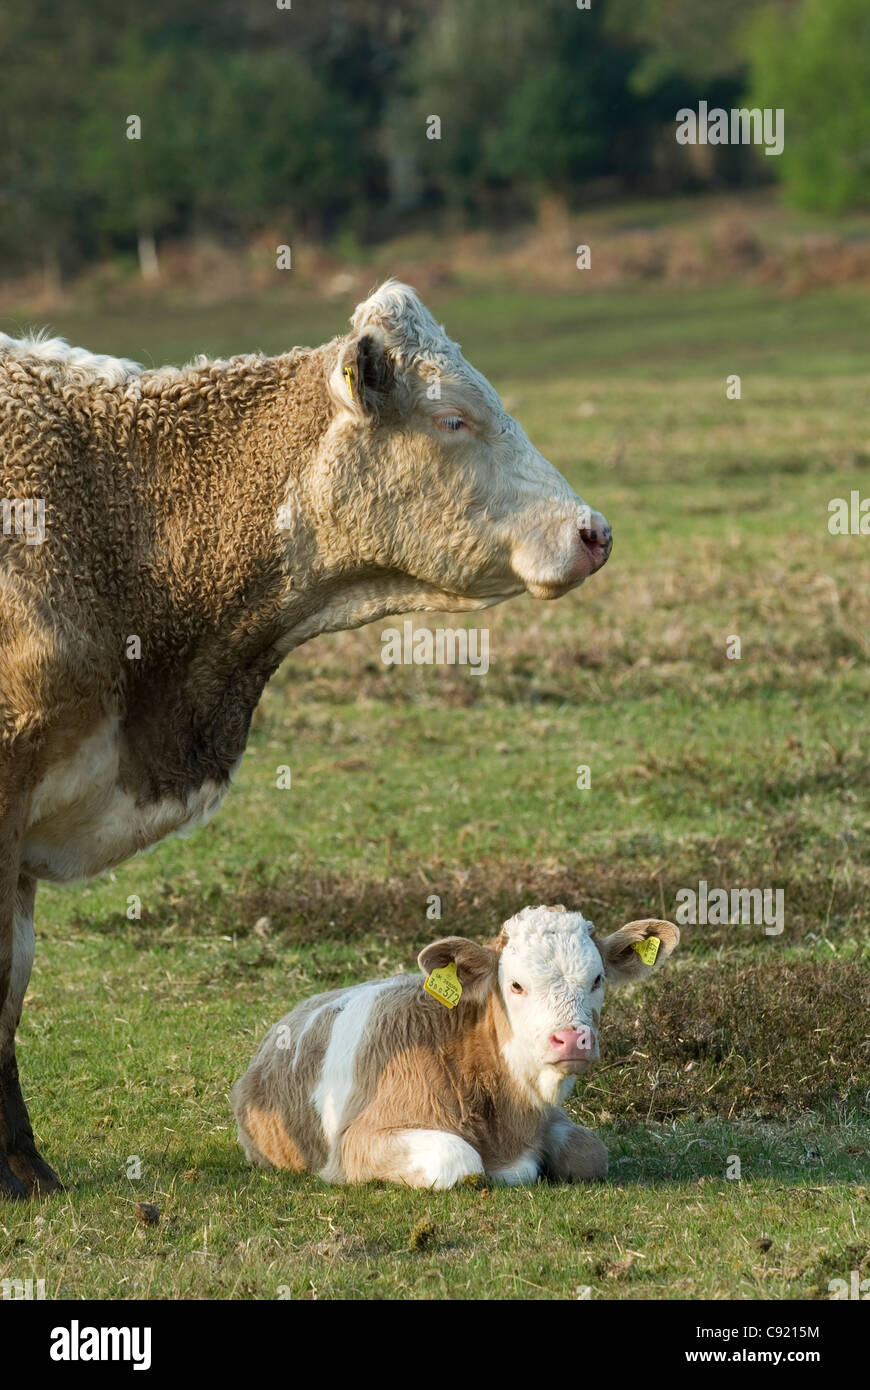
{"points": [[598, 982], [517, 988]]}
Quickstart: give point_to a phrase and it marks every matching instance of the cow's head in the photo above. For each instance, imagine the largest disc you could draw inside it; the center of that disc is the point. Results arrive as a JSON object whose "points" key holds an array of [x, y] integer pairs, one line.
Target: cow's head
{"points": [[549, 971], [430, 477]]}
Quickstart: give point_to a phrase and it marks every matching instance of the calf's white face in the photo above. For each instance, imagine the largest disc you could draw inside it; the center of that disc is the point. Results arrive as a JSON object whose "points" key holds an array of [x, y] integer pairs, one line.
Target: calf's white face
{"points": [[551, 977], [552, 973], [436, 480], [549, 972]]}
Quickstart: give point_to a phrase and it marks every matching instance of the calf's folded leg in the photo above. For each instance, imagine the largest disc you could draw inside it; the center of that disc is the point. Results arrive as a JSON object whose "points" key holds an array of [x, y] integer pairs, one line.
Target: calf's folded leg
{"points": [[571, 1153], [429, 1158]]}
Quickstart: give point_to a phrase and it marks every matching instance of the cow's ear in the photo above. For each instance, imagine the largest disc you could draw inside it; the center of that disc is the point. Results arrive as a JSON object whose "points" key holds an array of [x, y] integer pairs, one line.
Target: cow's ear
{"points": [[363, 376], [624, 962], [476, 966]]}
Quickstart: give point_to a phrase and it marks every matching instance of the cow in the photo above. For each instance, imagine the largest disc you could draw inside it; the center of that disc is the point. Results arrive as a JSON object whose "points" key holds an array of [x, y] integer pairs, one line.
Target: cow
{"points": [[458, 1076], [170, 535]]}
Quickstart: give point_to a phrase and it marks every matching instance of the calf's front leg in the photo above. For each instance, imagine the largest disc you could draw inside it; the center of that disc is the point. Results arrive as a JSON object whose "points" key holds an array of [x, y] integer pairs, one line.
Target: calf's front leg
{"points": [[570, 1152], [431, 1158]]}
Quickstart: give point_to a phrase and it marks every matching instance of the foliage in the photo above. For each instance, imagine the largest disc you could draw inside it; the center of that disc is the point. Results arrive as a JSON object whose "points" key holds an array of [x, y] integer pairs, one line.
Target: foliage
{"points": [[814, 62], [314, 119]]}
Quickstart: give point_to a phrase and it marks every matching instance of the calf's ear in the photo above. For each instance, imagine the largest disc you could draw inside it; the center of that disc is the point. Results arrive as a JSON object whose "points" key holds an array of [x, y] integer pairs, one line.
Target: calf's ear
{"points": [[476, 966], [622, 962], [363, 376]]}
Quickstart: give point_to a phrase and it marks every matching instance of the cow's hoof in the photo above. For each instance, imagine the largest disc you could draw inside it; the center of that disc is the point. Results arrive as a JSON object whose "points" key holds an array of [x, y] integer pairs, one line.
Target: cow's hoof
{"points": [[34, 1175], [10, 1186]]}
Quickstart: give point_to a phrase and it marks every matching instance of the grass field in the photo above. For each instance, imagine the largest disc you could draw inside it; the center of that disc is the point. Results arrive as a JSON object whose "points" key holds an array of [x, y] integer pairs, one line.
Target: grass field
{"points": [[408, 782]]}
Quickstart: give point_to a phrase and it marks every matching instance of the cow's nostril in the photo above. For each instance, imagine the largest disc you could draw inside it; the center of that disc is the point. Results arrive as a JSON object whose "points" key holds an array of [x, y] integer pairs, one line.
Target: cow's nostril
{"points": [[596, 535]]}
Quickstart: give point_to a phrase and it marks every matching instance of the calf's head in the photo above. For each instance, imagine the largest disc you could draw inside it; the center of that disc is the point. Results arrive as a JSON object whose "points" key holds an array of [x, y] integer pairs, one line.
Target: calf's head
{"points": [[549, 972], [429, 478]]}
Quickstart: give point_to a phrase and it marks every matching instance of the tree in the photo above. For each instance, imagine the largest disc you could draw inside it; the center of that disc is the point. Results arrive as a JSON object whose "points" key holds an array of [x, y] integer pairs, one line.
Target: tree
{"points": [[269, 139], [681, 39], [42, 204], [137, 144], [814, 63], [531, 97]]}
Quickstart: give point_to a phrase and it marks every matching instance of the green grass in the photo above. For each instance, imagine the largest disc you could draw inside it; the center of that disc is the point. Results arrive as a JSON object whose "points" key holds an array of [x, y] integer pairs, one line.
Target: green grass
{"points": [[413, 782]]}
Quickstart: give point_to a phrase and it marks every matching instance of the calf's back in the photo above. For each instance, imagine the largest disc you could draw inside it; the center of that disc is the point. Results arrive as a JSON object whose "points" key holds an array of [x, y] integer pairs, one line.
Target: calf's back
{"points": [[380, 1056]]}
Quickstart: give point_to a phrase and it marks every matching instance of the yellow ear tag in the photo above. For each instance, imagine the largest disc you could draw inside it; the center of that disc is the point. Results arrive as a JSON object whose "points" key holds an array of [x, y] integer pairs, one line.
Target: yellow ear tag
{"points": [[648, 949], [444, 985], [348, 376]]}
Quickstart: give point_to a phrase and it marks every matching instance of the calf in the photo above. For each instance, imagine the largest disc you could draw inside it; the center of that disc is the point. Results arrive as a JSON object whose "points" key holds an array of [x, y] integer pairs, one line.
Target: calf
{"points": [[465, 1074], [168, 536]]}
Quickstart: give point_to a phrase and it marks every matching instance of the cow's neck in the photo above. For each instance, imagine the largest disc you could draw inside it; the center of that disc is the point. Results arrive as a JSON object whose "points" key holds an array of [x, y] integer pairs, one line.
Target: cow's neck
{"points": [[210, 602], [490, 1051], [240, 566]]}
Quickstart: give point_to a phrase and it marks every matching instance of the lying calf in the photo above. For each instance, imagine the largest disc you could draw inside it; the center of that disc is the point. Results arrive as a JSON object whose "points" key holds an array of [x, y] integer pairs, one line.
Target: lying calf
{"points": [[427, 1083]]}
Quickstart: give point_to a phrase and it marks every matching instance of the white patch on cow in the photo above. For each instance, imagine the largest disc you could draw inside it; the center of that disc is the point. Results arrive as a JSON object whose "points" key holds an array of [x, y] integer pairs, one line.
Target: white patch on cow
{"points": [[523, 1170], [333, 1090], [82, 822], [57, 352], [538, 1085], [437, 1159], [333, 1004], [23, 945]]}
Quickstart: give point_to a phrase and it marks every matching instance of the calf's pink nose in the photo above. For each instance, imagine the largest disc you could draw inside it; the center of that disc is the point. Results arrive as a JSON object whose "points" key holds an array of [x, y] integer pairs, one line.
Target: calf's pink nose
{"points": [[572, 1044]]}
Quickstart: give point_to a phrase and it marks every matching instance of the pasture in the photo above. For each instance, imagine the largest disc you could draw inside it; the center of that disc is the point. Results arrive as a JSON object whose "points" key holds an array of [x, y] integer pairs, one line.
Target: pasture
{"points": [[409, 782]]}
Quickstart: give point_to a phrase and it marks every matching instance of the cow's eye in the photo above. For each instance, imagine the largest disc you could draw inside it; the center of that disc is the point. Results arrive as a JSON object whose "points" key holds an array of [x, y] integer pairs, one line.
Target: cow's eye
{"points": [[453, 423], [599, 981], [517, 988]]}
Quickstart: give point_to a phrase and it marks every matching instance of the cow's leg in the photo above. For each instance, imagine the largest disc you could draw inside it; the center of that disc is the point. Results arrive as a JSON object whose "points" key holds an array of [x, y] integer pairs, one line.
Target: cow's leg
{"points": [[524, 1170], [570, 1152], [416, 1157], [23, 1172]]}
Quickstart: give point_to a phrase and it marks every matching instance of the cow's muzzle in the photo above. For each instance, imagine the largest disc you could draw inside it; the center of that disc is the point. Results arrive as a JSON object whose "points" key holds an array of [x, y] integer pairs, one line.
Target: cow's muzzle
{"points": [[597, 537], [556, 557], [574, 1045]]}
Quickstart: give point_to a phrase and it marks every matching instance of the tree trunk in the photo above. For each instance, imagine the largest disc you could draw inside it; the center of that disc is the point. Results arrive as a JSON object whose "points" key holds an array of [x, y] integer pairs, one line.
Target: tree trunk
{"points": [[149, 266]]}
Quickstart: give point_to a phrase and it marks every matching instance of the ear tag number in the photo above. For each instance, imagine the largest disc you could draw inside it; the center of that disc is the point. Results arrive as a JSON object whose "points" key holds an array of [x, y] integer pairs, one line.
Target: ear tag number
{"points": [[648, 949], [444, 985], [348, 376]]}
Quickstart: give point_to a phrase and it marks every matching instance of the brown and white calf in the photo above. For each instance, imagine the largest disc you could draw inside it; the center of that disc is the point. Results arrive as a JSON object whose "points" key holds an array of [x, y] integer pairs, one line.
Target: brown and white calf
{"points": [[383, 1080], [169, 535]]}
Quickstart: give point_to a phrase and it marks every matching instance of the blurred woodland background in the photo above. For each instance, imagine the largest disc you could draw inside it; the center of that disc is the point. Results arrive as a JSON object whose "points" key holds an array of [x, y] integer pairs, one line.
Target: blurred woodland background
{"points": [[309, 123]]}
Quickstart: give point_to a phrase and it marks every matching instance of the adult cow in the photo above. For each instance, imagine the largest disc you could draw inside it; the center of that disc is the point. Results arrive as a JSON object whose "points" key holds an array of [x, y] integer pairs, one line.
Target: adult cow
{"points": [[170, 535]]}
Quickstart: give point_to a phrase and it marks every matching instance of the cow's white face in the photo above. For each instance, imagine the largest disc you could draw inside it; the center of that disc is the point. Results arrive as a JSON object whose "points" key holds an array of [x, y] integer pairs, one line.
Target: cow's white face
{"points": [[436, 480], [547, 971], [551, 978]]}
